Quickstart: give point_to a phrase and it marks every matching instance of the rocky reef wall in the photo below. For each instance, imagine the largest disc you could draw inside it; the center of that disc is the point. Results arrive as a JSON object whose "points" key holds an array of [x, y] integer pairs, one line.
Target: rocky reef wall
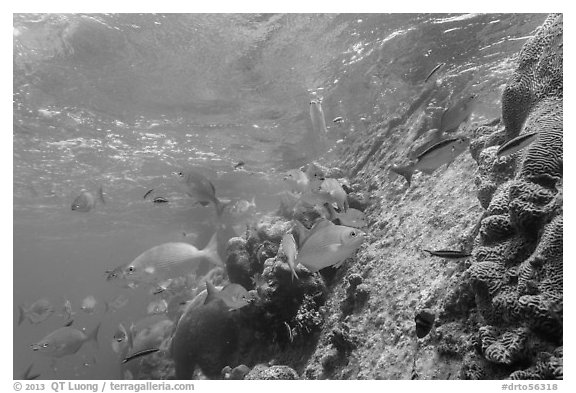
{"points": [[499, 313]]}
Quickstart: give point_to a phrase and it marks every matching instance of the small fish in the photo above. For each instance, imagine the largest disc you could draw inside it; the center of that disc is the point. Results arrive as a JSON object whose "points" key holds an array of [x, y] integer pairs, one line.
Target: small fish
{"points": [[288, 246], [38, 312], [157, 307], [139, 354], [64, 341], [241, 208], [148, 193], [160, 200], [424, 321], [67, 309], [436, 69], [27, 376], [88, 304], [239, 165], [458, 113], [169, 260], [338, 120], [122, 339], [350, 218], [201, 189], [235, 296], [317, 117], [450, 254], [116, 304], [333, 192], [441, 153], [297, 180], [328, 244], [315, 175], [86, 201], [516, 144]]}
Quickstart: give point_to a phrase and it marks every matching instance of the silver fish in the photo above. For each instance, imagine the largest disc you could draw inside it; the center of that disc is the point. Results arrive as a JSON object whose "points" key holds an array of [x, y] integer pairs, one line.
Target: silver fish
{"points": [[139, 354], [169, 260], [297, 180], [86, 201], [328, 245], [38, 312], [351, 217], [157, 307], [88, 304], [458, 113], [516, 144], [441, 153], [201, 189], [67, 310], [64, 341], [288, 246], [235, 296]]}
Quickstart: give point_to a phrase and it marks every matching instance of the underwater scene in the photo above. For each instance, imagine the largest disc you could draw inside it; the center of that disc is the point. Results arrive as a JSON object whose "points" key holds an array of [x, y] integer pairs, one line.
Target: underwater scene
{"points": [[287, 196]]}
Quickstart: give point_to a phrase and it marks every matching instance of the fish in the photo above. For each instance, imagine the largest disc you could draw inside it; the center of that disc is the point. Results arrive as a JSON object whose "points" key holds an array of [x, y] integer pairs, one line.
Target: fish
{"points": [[317, 117], [328, 244], [338, 119], [122, 339], [441, 153], [65, 341], [351, 217], [240, 208], [157, 307], [315, 175], [150, 332], [436, 69], [160, 200], [116, 304], [297, 180], [139, 354], [458, 113], [88, 304], [516, 144], [333, 192], [424, 321], [169, 260], [450, 254], [239, 165], [38, 312], [148, 193], [86, 201], [201, 189], [288, 246], [235, 296], [26, 376], [67, 309]]}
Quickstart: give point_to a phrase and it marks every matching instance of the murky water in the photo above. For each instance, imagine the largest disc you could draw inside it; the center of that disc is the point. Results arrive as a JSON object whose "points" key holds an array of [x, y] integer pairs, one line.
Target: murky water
{"points": [[123, 101]]}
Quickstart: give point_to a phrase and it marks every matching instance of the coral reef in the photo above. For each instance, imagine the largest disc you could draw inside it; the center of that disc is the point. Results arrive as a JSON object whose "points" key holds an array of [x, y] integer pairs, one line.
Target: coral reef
{"points": [[517, 275]]}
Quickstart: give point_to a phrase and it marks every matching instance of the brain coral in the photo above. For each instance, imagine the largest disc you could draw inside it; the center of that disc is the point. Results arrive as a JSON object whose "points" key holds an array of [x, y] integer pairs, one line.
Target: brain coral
{"points": [[517, 276]]}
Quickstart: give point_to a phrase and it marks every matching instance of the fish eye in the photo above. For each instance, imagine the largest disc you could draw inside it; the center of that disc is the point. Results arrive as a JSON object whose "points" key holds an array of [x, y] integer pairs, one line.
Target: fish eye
{"points": [[130, 269], [45, 345], [353, 233]]}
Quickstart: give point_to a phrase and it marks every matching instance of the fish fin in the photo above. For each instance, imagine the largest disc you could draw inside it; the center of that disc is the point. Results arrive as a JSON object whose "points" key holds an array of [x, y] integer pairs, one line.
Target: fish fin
{"points": [[406, 171], [22, 315], [211, 250], [93, 335], [428, 251], [211, 293], [101, 195]]}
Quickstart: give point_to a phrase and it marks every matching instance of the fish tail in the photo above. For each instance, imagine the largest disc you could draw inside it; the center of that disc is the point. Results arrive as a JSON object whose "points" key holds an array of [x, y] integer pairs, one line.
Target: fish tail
{"points": [[219, 207], [405, 171], [93, 335], [101, 195], [211, 250], [22, 315]]}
